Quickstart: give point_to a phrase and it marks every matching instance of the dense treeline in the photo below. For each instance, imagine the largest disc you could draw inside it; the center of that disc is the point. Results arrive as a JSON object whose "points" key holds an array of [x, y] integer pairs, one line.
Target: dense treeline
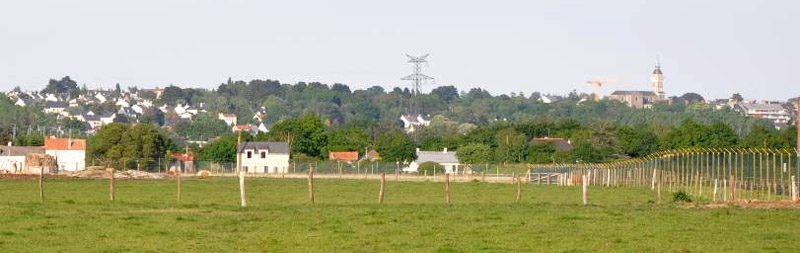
{"points": [[337, 104], [504, 142]]}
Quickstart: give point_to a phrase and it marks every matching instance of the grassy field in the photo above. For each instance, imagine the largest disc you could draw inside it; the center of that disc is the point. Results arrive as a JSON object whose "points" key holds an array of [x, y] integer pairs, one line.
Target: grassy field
{"points": [[77, 216]]}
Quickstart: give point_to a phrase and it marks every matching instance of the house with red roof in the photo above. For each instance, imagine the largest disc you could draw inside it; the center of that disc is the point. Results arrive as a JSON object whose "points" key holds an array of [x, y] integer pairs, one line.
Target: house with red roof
{"points": [[70, 153]]}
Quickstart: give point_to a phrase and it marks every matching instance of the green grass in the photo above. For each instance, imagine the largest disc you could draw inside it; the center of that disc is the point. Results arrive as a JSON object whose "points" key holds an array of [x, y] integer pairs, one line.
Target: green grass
{"points": [[77, 216]]}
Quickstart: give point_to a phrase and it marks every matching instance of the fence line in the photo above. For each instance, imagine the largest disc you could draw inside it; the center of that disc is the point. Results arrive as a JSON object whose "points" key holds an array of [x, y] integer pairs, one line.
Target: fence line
{"points": [[746, 174]]}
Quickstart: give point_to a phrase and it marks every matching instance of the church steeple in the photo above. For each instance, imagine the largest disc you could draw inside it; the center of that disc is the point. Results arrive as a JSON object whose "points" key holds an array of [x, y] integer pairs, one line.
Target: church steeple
{"points": [[657, 80]]}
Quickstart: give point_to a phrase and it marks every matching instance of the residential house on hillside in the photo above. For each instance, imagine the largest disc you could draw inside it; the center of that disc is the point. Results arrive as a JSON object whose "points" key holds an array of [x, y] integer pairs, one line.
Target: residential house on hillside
{"points": [[411, 122], [549, 99], [23, 102], [372, 155], [264, 157], [51, 98], [263, 128], [122, 103], [12, 158], [229, 118], [445, 158], [69, 153], [158, 92], [345, 156], [55, 107], [775, 113], [246, 128]]}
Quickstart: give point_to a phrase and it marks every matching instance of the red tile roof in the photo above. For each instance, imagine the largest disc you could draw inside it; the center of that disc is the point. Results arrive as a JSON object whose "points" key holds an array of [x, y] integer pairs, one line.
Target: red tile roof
{"points": [[64, 144], [343, 156], [183, 157]]}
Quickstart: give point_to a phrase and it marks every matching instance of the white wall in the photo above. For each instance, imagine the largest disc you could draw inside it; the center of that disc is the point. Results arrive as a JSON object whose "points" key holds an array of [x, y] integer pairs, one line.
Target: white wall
{"points": [[69, 160], [274, 163], [7, 163]]}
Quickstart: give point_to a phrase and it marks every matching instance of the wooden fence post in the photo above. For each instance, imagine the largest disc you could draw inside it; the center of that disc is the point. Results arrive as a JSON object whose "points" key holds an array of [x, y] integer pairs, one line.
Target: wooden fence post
{"points": [[528, 176], [112, 192], [519, 190], [659, 189], [447, 186], [311, 184], [179, 185], [732, 183], [585, 189], [725, 190], [715, 190], [653, 183], [41, 183], [383, 188], [242, 192], [513, 177], [794, 189]]}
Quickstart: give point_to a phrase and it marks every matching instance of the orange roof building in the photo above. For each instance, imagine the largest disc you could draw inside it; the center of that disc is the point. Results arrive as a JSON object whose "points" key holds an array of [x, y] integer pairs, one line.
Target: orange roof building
{"points": [[70, 153], [348, 156], [64, 144]]}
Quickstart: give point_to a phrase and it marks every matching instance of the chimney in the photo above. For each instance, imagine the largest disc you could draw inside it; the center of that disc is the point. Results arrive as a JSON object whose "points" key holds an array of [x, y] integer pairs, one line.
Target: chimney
{"points": [[445, 150]]}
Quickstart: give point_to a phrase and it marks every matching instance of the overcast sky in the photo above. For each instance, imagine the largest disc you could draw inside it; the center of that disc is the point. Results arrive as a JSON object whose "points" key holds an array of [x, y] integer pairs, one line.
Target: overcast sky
{"points": [[714, 48]]}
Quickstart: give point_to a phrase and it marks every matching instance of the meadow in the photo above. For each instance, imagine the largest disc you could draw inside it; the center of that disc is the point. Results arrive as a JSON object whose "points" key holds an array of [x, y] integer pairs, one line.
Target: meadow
{"points": [[77, 216]]}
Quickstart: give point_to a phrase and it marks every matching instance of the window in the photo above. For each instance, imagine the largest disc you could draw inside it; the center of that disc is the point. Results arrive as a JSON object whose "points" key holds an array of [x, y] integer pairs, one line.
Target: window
{"points": [[249, 154], [244, 168], [266, 169], [263, 154]]}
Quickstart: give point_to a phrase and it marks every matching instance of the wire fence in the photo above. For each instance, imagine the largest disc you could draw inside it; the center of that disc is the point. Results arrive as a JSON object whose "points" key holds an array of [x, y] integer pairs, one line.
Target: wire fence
{"points": [[713, 174], [295, 167]]}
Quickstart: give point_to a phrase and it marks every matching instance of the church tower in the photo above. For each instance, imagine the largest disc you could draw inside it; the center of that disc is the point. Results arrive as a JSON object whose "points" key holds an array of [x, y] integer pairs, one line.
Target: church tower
{"points": [[657, 81]]}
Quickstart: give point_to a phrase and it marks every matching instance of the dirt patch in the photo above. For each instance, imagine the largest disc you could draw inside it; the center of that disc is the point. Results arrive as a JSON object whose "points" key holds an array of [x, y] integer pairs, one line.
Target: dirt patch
{"points": [[18, 176], [753, 204]]}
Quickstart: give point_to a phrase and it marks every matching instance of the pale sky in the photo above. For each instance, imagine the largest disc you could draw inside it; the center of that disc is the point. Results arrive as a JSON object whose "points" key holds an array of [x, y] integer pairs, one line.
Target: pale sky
{"points": [[714, 48]]}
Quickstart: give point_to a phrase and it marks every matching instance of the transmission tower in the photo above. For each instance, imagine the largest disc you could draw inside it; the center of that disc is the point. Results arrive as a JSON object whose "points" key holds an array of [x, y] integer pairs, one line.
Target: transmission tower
{"points": [[417, 78]]}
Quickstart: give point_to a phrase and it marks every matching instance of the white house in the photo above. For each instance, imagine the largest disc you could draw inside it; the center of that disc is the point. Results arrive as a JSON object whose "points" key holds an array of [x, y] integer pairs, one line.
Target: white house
{"points": [[775, 113], [24, 102], [411, 122], [100, 98], [122, 103], [229, 118], [107, 118], [263, 128], [138, 109], [69, 153], [549, 99], [12, 159], [51, 98], [55, 107], [264, 157], [446, 159]]}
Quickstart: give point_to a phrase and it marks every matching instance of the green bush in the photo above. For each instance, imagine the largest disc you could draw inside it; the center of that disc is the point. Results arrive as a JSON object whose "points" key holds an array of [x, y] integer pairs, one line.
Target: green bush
{"points": [[681, 196], [429, 167]]}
